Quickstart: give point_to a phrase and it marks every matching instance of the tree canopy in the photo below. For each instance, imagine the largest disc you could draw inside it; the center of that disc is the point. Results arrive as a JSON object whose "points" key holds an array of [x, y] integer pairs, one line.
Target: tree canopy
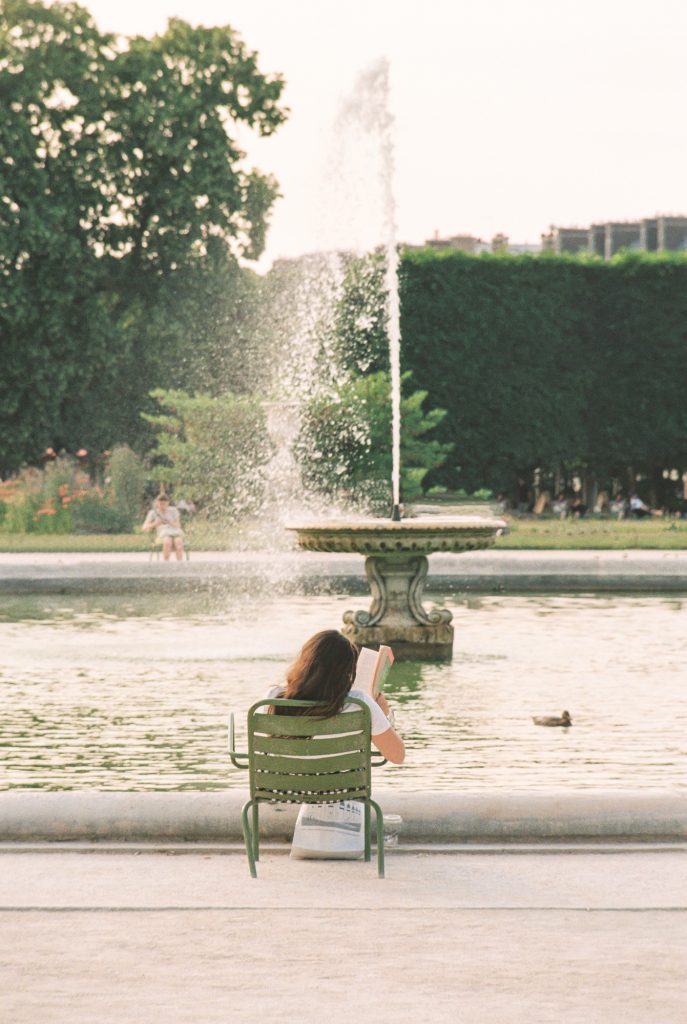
{"points": [[121, 178]]}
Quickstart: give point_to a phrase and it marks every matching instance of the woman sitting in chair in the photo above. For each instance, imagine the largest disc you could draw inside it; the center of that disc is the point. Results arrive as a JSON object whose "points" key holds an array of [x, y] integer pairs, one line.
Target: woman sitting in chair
{"points": [[165, 520], [324, 671]]}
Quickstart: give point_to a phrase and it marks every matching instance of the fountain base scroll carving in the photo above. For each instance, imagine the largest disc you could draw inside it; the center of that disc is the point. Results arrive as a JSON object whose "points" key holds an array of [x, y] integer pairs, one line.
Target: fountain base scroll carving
{"points": [[396, 615]]}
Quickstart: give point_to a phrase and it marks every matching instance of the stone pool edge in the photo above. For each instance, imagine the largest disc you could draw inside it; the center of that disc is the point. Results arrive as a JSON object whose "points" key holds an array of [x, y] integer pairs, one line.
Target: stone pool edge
{"points": [[440, 817], [492, 571]]}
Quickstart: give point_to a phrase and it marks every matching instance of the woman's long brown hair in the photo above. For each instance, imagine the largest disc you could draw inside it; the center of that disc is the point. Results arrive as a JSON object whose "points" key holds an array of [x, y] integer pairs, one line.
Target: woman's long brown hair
{"points": [[323, 671]]}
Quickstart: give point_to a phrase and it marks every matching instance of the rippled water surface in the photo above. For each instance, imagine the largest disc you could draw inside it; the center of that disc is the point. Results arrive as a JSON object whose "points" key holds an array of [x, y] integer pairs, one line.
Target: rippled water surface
{"points": [[116, 693]]}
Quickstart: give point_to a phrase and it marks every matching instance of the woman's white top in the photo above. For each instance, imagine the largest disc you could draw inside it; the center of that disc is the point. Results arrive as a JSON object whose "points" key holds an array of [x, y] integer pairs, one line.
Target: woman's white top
{"points": [[167, 525]]}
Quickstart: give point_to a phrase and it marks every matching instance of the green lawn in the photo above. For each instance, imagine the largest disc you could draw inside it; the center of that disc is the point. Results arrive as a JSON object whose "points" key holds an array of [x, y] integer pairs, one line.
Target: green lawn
{"points": [[594, 534], [524, 534], [12, 543], [199, 537]]}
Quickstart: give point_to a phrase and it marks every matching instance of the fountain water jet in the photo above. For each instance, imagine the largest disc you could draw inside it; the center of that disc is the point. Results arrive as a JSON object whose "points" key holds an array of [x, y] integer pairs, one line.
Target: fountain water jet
{"points": [[396, 551], [385, 125]]}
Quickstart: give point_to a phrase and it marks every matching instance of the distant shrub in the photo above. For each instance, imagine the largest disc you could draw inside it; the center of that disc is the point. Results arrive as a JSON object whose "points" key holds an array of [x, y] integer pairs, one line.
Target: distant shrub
{"points": [[37, 514], [19, 516], [61, 478], [344, 445], [62, 498], [212, 450], [93, 514], [126, 481]]}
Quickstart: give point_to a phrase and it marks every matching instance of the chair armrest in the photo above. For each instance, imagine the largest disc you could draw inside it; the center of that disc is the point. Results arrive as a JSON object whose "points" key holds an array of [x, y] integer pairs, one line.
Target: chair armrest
{"points": [[378, 764], [234, 754]]}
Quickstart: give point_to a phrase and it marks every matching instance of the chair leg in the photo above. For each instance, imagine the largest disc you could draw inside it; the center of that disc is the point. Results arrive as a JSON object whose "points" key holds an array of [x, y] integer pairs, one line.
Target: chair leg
{"points": [[256, 832], [366, 812], [247, 838], [380, 838]]}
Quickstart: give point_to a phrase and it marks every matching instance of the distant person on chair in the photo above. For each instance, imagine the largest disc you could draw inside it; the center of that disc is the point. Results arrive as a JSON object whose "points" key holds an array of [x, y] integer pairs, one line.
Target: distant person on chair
{"points": [[165, 520]]}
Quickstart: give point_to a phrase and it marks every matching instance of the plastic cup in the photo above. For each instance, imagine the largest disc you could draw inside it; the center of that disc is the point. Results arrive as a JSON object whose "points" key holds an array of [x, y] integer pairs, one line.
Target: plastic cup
{"points": [[393, 824]]}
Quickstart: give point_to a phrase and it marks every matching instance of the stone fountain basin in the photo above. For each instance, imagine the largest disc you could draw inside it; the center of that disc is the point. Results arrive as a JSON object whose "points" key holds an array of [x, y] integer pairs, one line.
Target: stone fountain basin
{"points": [[396, 567], [420, 536]]}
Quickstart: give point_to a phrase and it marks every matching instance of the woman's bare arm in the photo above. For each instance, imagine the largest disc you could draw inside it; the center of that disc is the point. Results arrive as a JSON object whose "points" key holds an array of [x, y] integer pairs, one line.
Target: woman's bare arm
{"points": [[389, 743]]}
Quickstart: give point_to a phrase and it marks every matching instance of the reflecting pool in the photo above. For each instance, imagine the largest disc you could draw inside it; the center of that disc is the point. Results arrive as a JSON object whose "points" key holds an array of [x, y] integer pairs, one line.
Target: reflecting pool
{"points": [[119, 693]]}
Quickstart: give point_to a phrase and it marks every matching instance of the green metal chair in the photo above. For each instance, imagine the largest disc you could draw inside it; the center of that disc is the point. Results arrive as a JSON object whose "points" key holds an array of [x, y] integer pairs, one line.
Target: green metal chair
{"points": [[304, 759]]}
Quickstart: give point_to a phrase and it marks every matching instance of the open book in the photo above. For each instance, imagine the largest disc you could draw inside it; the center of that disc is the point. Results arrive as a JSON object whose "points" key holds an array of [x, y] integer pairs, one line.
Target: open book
{"points": [[372, 669]]}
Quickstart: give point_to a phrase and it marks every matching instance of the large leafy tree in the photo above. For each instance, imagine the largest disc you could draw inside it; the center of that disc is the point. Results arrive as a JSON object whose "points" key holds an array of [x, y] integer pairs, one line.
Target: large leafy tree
{"points": [[120, 178]]}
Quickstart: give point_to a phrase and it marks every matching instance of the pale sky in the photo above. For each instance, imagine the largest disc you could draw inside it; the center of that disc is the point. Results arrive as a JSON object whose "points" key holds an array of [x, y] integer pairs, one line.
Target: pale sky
{"points": [[511, 115]]}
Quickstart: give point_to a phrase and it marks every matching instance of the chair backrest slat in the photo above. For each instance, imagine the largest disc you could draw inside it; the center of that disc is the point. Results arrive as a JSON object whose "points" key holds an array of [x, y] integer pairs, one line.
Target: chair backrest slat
{"points": [[328, 782], [315, 764], [308, 725], [294, 745], [287, 797]]}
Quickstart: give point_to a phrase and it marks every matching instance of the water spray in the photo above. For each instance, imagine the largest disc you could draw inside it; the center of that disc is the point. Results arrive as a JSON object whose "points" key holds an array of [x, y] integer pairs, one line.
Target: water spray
{"points": [[392, 296]]}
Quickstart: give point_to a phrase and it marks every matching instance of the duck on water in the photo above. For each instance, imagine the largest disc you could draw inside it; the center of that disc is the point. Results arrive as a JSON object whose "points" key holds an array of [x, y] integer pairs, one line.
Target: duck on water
{"points": [[565, 720]]}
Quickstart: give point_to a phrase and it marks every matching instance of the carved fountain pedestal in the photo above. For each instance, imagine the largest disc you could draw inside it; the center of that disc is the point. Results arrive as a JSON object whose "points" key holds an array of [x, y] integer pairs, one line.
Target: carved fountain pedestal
{"points": [[396, 566]]}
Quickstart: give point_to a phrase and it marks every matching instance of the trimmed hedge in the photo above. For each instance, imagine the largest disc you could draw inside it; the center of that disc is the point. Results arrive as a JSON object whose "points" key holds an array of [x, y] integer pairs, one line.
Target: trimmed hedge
{"points": [[551, 362]]}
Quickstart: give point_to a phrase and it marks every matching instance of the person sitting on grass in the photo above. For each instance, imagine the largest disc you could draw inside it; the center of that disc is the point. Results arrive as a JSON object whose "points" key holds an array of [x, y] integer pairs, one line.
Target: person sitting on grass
{"points": [[578, 509], [165, 520], [560, 506], [638, 508]]}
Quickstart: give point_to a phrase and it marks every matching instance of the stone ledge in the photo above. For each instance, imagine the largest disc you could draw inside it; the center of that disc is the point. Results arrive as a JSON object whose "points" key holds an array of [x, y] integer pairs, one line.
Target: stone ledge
{"points": [[429, 817]]}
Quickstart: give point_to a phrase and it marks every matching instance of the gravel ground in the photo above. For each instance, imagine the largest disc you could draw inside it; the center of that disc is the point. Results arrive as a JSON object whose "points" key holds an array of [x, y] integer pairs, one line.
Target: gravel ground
{"points": [[538, 937]]}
